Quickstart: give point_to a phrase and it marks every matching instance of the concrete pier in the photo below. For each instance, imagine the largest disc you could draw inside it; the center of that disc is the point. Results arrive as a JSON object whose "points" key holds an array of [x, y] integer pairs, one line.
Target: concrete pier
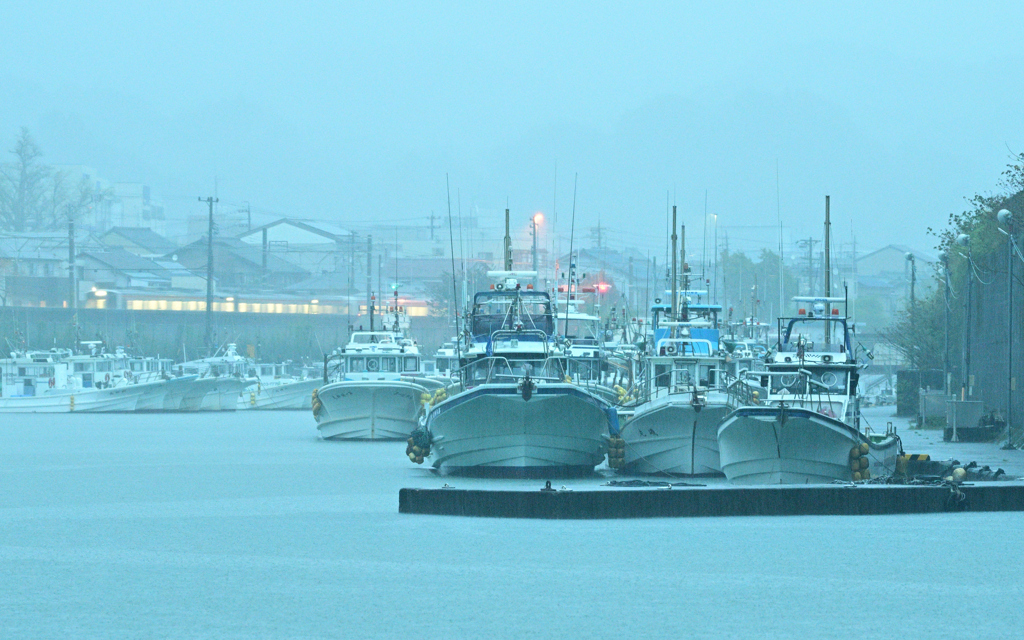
{"points": [[717, 501]]}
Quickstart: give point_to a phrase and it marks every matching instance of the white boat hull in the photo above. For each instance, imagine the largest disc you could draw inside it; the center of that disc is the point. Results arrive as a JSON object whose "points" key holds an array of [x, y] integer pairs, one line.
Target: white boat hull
{"points": [[290, 395], [369, 409], [213, 394], [115, 399], [765, 445], [669, 436], [492, 429], [162, 395]]}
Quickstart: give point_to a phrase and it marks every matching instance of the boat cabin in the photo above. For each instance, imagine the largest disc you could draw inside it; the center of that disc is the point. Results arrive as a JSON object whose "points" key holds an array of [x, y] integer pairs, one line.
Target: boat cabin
{"points": [[511, 310], [28, 374], [368, 363]]}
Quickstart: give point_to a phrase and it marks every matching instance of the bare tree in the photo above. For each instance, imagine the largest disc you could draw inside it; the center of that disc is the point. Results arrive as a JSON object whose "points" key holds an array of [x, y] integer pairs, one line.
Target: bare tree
{"points": [[23, 187]]}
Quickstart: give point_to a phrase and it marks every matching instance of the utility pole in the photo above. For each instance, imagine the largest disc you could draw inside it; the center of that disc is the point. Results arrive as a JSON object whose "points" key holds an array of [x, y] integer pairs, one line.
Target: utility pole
{"points": [[72, 276], [209, 275], [351, 281], [369, 278], [715, 263], [725, 275], [263, 268], [809, 244], [533, 225]]}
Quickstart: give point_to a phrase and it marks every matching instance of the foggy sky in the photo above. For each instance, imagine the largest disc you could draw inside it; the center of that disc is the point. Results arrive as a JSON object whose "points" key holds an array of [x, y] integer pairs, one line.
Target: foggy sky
{"points": [[349, 111]]}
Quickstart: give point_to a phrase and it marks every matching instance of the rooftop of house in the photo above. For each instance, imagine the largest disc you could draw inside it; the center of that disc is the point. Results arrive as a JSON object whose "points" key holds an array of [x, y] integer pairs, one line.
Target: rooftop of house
{"points": [[143, 237], [241, 250]]}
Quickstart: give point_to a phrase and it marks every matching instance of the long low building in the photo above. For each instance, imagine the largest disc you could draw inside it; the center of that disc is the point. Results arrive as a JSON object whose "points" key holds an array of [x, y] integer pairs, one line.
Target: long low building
{"points": [[191, 300]]}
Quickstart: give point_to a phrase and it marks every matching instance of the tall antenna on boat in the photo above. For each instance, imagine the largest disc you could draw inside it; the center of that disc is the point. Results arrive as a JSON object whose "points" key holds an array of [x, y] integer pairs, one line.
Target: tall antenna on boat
{"points": [[828, 271], [572, 233], [508, 243], [462, 251], [828, 260], [704, 251], [675, 272], [778, 214], [455, 289], [647, 287]]}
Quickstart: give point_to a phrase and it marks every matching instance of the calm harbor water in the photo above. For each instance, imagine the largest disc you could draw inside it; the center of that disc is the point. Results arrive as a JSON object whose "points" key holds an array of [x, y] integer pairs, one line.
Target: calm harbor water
{"points": [[246, 525]]}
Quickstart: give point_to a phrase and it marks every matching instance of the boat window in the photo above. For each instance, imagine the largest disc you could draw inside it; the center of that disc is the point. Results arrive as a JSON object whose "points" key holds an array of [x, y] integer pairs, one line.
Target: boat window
{"points": [[21, 371], [585, 369], [685, 373], [356, 365], [792, 383], [492, 313], [373, 364], [411, 364], [136, 366], [388, 364], [554, 368], [707, 375], [580, 329], [103, 366], [83, 366], [834, 380], [662, 375]]}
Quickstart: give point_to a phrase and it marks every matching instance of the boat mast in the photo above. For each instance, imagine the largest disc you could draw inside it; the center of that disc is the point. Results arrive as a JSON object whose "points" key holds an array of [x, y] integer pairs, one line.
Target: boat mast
{"points": [[828, 273], [508, 245], [675, 276], [684, 312]]}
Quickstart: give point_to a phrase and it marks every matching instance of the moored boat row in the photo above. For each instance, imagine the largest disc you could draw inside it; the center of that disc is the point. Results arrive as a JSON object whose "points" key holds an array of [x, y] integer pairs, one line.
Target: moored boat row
{"points": [[94, 380]]}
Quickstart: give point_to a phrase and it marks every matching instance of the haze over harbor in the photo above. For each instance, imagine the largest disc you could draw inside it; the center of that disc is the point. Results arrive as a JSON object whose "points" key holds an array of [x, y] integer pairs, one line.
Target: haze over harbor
{"points": [[343, 112]]}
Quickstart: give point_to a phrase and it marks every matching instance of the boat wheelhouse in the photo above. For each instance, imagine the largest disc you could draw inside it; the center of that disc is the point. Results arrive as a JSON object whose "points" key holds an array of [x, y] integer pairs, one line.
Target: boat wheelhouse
{"points": [[800, 420]]}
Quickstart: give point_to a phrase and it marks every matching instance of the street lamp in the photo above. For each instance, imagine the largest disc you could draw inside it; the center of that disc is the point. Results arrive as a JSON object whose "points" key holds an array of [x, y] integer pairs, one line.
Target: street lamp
{"points": [[1006, 218], [715, 215], [913, 282], [944, 259], [534, 221], [966, 385]]}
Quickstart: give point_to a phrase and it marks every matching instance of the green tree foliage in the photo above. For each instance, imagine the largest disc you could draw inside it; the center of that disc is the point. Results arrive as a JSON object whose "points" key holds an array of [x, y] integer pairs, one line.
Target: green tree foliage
{"points": [[752, 288], [919, 332]]}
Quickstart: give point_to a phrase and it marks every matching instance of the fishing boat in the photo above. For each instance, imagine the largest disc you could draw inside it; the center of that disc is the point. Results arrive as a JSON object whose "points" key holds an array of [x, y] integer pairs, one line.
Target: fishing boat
{"points": [[45, 382], [674, 429], [219, 380], [149, 378], [278, 387], [800, 420], [374, 388], [446, 360], [518, 407]]}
